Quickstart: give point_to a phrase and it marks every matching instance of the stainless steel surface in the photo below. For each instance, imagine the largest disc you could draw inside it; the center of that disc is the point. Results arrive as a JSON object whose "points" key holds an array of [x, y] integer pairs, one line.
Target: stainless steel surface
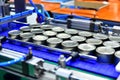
{"points": [[62, 61], [100, 36], [69, 45], [25, 29], [14, 34], [39, 39], [105, 54], [114, 38], [94, 41], [85, 34], [79, 39], [71, 31], [54, 42], [58, 29], [64, 36], [50, 33]]}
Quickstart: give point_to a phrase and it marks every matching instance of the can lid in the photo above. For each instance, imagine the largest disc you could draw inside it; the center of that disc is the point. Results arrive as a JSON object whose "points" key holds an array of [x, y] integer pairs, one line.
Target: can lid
{"points": [[54, 40], [117, 54], [94, 41], [63, 36], [49, 33], [112, 44], [25, 28], [71, 31], [40, 38], [69, 43], [100, 36], [26, 35], [36, 30], [86, 47], [78, 38], [114, 38], [85, 33], [105, 50], [14, 32], [58, 29], [46, 27]]}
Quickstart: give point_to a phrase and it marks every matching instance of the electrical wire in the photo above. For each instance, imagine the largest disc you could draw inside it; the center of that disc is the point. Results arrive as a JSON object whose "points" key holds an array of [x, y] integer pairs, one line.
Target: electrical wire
{"points": [[8, 63]]}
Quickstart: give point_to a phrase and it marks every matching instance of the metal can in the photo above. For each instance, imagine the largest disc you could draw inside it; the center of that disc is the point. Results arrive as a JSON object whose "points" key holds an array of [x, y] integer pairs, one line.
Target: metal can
{"points": [[64, 36], [100, 36], [35, 26], [25, 29], [71, 31], [50, 33], [69, 45], [14, 34], [112, 44], [94, 41], [105, 54], [85, 34], [40, 39], [86, 48], [58, 29], [114, 38], [117, 57], [46, 27], [54, 42], [37, 31], [26, 36], [78, 39]]}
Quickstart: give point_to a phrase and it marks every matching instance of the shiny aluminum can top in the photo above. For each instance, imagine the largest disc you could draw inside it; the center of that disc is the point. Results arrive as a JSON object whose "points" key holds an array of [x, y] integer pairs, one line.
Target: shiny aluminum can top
{"points": [[46, 27], [112, 44], [50, 33], [71, 31], [37, 31], [13, 34], [26, 35], [54, 40], [78, 38], [86, 47], [40, 38], [63, 36], [105, 50], [69, 43], [114, 38], [85, 33], [94, 41], [100, 36], [25, 28], [58, 29]]}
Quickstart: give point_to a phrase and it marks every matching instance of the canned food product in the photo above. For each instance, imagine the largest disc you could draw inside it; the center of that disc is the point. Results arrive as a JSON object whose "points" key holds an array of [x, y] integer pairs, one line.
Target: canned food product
{"points": [[85, 34], [69, 45], [35, 26], [114, 38], [64, 36], [37, 31], [26, 36], [94, 41], [71, 31], [112, 44], [58, 29], [54, 42], [105, 54], [86, 48], [25, 29], [40, 39], [50, 33], [78, 39], [46, 27], [14, 34], [117, 57], [100, 36]]}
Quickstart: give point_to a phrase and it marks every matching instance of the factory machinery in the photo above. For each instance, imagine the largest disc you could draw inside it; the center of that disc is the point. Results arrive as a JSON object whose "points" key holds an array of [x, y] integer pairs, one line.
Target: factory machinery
{"points": [[77, 49]]}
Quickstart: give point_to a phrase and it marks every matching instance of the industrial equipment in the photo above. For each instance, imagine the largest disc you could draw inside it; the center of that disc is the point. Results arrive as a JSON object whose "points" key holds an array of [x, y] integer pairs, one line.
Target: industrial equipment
{"points": [[53, 50]]}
